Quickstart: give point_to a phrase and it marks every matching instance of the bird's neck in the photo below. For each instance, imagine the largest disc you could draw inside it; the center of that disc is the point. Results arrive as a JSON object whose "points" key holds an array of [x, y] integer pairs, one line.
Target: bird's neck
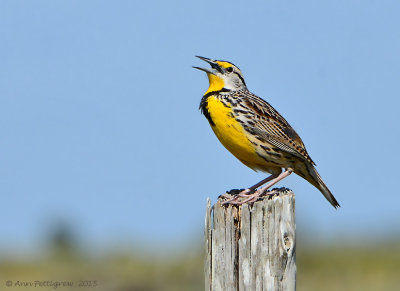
{"points": [[216, 83]]}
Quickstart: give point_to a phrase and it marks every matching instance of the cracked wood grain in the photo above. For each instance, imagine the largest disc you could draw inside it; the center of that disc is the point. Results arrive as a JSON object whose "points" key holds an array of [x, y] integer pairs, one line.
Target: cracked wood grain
{"points": [[251, 247]]}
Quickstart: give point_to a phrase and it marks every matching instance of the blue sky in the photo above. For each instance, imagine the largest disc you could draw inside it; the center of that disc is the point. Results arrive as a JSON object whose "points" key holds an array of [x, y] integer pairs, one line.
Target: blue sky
{"points": [[100, 123]]}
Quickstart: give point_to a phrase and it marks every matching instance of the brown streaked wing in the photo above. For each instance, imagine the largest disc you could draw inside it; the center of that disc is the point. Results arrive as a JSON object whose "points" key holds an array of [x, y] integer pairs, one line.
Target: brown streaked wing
{"points": [[270, 125]]}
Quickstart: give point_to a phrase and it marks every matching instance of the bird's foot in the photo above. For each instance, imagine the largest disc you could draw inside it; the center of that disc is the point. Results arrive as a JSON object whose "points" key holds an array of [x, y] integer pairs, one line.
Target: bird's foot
{"points": [[246, 196], [234, 195], [230, 193]]}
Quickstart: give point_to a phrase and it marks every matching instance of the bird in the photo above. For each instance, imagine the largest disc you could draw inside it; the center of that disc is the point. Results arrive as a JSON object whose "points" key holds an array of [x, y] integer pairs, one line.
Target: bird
{"points": [[255, 133]]}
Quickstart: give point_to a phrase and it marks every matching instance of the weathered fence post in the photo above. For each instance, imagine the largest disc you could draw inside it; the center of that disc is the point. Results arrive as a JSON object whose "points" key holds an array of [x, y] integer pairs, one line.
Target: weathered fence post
{"points": [[251, 247]]}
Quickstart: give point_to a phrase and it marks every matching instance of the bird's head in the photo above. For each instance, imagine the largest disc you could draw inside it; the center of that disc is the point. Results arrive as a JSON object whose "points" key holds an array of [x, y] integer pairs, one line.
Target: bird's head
{"points": [[223, 76]]}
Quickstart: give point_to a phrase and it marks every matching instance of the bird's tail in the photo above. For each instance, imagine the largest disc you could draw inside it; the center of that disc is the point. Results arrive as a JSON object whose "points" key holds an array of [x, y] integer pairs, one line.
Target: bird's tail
{"points": [[311, 175]]}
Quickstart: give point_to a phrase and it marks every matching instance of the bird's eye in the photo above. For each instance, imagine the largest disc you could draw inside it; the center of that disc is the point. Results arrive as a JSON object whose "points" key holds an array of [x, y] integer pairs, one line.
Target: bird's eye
{"points": [[229, 69]]}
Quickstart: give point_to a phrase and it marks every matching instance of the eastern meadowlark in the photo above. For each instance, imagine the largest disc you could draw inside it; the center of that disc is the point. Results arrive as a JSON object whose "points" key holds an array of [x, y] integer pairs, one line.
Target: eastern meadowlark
{"points": [[254, 132]]}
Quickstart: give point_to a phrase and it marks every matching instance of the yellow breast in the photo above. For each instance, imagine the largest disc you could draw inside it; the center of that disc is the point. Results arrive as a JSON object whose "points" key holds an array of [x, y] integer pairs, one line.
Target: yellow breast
{"points": [[231, 134]]}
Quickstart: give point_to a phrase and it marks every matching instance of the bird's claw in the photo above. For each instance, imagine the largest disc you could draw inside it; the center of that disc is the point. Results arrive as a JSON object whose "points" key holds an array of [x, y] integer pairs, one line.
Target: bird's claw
{"points": [[246, 196]]}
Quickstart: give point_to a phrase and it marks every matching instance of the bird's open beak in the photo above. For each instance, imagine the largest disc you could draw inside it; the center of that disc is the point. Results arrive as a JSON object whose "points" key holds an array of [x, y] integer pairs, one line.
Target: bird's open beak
{"points": [[214, 66]]}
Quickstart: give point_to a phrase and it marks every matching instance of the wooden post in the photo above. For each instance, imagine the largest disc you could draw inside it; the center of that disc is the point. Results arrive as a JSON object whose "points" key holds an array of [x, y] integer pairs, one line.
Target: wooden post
{"points": [[251, 247]]}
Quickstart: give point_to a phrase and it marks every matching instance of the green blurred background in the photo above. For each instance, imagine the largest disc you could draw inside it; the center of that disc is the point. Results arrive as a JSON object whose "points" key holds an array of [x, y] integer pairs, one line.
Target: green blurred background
{"points": [[340, 265]]}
